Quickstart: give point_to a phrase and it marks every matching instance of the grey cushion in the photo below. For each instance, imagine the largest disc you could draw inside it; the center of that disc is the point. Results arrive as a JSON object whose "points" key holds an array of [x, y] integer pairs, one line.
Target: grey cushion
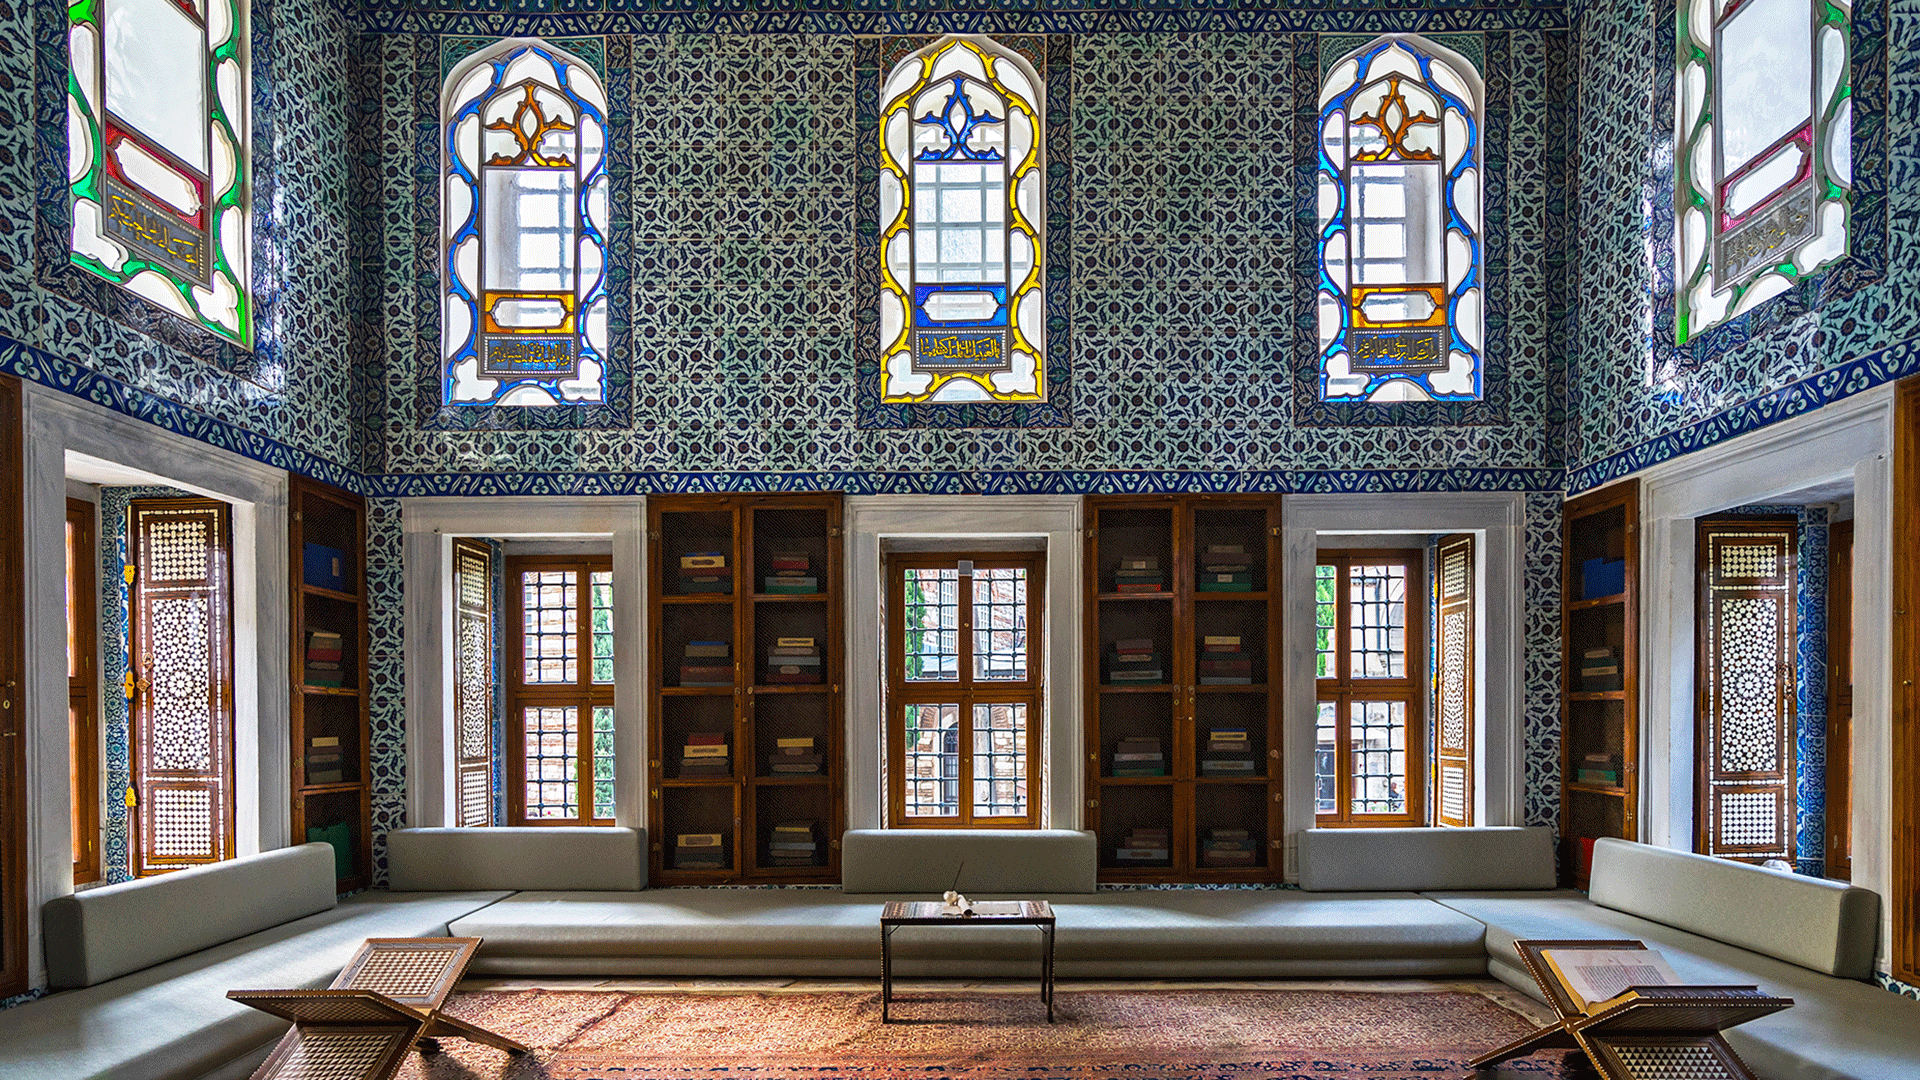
{"points": [[922, 862], [1398, 860], [1828, 926], [517, 858], [1837, 1028], [1115, 932], [174, 1022], [98, 934]]}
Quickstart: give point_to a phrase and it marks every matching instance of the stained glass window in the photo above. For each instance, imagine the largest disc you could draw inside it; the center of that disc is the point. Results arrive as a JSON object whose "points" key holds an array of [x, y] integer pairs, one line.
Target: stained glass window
{"points": [[157, 154], [524, 220], [1764, 173], [962, 221], [1400, 299]]}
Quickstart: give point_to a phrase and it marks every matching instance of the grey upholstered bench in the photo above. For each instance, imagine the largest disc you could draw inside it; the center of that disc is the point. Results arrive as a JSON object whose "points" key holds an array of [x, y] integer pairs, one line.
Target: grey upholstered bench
{"points": [[143, 968]]}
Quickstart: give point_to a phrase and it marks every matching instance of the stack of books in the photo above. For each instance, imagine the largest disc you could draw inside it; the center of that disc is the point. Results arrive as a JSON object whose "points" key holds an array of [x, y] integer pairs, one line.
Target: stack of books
{"points": [[793, 844], [795, 757], [1228, 753], [705, 754], [1139, 757], [324, 650], [706, 664], [1134, 663], [326, 762], [1602, 768], [1139, 574], [1143, 845], [792, 575], [1227, 847], [699, 851], [793, 660], [705, 572], [1600, 669], [1222, 663], [1224, 568]]}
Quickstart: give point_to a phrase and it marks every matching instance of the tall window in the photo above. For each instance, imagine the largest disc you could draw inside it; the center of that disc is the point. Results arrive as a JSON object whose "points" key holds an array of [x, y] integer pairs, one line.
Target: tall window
{"points": [[964, 690], [560, 691], [1370, 740], [1400, 300], [962, 223], [158, 157], [83, 715], [524, 221], [1764, 171]]}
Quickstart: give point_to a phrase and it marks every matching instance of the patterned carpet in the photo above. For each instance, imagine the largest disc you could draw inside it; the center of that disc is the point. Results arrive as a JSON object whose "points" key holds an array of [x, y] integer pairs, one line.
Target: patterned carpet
{"points": [[956, 1035]]}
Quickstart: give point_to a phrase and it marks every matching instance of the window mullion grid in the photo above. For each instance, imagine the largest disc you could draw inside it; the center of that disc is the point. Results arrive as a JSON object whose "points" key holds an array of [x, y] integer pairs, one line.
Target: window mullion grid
{"points": [[905, 697]]}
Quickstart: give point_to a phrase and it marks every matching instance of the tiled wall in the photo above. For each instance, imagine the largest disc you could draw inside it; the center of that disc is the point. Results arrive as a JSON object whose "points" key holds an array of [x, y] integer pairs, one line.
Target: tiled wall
{"points": [[1636, 398]]}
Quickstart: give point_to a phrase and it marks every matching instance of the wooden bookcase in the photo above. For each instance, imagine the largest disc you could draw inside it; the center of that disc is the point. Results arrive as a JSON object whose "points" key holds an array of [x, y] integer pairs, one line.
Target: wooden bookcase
{"points": [[1181, 711], [748, 801], [1599, 715], [330, 525]]}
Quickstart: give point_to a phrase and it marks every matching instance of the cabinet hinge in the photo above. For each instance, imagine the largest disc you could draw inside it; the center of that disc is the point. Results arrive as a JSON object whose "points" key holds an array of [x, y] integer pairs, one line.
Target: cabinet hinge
{"points": [[833, 531]]}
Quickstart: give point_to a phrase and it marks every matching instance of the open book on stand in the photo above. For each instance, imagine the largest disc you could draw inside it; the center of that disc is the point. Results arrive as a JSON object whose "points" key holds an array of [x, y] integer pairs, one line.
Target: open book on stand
{"points": [[1623, 1006]]}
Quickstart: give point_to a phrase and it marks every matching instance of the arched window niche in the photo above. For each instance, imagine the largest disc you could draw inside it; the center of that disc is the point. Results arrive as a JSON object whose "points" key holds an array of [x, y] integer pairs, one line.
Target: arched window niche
{"points": [[962, 226], [1400, 303], [524, 229]]}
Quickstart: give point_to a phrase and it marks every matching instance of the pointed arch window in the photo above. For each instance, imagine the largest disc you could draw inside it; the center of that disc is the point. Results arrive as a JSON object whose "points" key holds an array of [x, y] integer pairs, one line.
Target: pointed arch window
{"points": [[524, 224], [1764, 177], [158, 155], [1401, 289], [962, 221]]}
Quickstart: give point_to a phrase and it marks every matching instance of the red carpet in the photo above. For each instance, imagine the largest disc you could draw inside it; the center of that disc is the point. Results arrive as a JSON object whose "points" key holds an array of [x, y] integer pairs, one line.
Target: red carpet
{"points": [[1101, 1035]]}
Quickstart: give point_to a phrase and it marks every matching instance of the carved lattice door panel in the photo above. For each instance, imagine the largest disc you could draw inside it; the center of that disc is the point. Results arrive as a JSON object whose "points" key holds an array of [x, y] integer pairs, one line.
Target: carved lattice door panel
{"points": [[1744, 678], [182, 653], [1453, 684], [473, 683]]}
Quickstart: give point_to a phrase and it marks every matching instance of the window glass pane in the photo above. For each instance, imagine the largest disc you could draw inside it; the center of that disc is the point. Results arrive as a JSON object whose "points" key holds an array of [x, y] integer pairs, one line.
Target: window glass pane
{"points": [[601, 587], [550, 631], [603, 761], [1000, 760], [932, 740], [931, 634], [1326, 758], [530, 230], [1326, 585], [1399, 224], [157, 75], [1377, 603], [1378, 752], [553, 762], [1766, 77], [1000, 624]]}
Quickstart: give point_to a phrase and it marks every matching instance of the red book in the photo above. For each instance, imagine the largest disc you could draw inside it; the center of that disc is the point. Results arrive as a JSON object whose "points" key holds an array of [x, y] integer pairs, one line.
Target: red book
{"points": [[707, 738]]}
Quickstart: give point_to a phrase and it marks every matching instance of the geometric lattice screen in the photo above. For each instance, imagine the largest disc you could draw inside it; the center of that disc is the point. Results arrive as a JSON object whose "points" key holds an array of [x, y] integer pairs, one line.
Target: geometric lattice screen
{"points": [[1453, 685], [1745, 686], [182, 662], [473, 683]]}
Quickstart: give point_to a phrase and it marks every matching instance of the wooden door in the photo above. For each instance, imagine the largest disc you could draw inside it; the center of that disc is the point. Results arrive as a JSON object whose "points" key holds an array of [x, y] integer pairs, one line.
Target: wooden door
{"points": [[1744, 678], [1839, 860], [181, 646], [13, 662]]}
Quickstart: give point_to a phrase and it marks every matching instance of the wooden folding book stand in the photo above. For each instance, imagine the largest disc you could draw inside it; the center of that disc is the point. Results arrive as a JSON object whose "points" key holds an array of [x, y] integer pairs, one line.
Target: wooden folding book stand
{"points": [[385, 1002], [1647, 1033]]}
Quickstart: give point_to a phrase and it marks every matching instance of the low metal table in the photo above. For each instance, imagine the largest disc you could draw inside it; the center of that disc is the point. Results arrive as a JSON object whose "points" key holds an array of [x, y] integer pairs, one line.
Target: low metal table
{"points": [[899, 913]]}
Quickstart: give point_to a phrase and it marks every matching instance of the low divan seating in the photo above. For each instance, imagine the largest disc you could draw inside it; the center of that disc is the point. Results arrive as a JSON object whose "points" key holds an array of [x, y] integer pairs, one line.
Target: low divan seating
{"points": [[142, 969]]}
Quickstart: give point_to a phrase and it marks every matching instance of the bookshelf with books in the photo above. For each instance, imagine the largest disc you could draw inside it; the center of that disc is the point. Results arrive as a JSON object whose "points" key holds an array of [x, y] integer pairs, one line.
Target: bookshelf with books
{"points": [[746, 695], [1181, 730], [331, 792], [1599, 710]]}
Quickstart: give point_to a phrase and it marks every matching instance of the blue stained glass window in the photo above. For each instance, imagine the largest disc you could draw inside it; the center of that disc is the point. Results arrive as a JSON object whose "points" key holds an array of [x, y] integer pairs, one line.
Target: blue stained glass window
{"points": [[1401, 295], [524, 217]]}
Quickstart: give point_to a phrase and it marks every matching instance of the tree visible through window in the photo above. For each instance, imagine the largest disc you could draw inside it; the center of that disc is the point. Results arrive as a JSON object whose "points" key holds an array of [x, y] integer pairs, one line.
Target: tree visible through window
{"points": [[524, 216], [158, 155], [962, 222], [1764, 174], [1371, 668], [964, 690], [1401, 296]]}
